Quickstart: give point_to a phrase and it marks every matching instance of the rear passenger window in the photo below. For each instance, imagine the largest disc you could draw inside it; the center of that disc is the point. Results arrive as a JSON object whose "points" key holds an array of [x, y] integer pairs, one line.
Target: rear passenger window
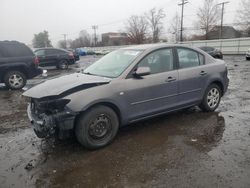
{"points": [[61, 52], [15, 50], [209, 49], [188, 58], [40, 52], [51, 52]]}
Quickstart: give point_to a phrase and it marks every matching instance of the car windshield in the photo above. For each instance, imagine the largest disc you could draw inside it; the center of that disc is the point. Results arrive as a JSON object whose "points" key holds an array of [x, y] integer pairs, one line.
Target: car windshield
{"points": [[113, 64]]}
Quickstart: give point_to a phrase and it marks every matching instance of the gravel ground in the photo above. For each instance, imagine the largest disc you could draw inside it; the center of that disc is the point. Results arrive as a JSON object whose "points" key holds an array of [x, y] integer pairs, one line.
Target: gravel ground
{"points": [[183, 149]]}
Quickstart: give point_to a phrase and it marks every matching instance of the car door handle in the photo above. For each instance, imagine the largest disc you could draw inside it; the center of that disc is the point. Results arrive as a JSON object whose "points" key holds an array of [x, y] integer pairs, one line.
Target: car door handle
{"points": [[202, 73], [170, 79]]}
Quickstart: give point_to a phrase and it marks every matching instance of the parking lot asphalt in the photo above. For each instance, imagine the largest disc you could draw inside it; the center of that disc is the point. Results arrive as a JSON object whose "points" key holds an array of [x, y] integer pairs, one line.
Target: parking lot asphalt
{"points": [[188, 148]]}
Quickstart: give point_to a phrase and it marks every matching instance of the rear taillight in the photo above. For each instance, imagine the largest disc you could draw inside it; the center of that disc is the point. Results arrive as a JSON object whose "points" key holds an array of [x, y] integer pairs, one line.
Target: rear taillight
{"points": [[71, 55], [36, 61]]}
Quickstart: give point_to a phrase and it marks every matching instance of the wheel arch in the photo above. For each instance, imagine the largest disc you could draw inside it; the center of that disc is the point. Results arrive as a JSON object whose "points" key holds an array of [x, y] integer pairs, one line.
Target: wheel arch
{"points": [[20, 68], [102, 103], [218, 83]]}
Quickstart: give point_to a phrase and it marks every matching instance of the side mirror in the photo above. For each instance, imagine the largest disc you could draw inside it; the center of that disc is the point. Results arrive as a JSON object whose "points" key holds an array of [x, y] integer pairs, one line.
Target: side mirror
{"points": [[142, 71]]}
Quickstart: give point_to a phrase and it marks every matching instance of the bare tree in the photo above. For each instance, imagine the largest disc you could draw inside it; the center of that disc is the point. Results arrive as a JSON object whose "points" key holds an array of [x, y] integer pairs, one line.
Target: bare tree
{"points": [[154, 18], [62, 44], [137, 27], [244, 16], [85, 38], [175, 27], [208, 16]]}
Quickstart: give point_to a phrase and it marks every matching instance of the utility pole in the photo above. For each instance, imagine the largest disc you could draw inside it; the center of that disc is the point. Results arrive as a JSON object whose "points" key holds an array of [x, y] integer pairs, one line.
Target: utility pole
{"points": [[65, 40], [222, 14], [95, 27], [183, 2]]}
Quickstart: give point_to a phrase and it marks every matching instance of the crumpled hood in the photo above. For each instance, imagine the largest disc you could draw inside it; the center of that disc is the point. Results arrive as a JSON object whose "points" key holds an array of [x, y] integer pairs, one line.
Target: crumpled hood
{"points": [[65, 85]]}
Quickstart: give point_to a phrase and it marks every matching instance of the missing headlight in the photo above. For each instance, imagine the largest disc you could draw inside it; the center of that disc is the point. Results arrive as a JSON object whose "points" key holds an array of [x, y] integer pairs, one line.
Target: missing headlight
{"points": [[52, 105]]}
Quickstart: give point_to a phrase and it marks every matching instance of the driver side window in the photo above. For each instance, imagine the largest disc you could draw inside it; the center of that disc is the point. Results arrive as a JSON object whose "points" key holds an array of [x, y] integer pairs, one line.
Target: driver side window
{"points": [[158, 61]]}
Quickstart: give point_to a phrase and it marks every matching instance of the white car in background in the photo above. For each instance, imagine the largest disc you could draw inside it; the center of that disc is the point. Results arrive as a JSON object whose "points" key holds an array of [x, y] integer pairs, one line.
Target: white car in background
{"points": [[248, 54]]}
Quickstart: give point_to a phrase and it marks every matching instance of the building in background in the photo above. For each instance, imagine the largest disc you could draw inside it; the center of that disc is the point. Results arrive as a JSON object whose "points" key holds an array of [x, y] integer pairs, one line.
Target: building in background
{"points": [[114, 39], [228, 32]]}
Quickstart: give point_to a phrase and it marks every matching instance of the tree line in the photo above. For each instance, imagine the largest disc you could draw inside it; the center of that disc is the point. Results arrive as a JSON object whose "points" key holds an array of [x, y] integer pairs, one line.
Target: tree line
{"points": [[149, 27]]}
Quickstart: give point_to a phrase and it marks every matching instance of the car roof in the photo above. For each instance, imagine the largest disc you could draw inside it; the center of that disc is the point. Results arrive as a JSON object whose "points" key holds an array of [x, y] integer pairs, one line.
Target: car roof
{"points": [[50, 49], [143, 46], [14, 49], [152, 46], [206, 47]]}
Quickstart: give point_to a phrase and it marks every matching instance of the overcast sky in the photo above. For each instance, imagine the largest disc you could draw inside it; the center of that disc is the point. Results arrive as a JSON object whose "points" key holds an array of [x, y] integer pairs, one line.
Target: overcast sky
{"points": [[20, 19]]}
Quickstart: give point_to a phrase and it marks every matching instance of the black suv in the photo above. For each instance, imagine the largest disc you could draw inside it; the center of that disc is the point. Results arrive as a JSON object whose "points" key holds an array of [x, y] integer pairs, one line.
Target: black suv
{"points": [[55, 57], [17, 64]]}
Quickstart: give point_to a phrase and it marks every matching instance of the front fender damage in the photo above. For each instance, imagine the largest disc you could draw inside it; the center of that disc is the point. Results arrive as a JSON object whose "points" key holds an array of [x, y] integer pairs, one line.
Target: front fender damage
{"points": [[47, 125], [48, 111]]}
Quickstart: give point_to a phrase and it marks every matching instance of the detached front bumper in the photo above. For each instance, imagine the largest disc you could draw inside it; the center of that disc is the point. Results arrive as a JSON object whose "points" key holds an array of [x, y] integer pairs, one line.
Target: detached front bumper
{"points": [[46, 125]]}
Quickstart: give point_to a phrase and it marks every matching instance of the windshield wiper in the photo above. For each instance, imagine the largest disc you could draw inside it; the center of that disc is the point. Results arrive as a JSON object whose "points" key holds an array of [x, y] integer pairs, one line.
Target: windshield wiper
{"points": [[88, 73]]}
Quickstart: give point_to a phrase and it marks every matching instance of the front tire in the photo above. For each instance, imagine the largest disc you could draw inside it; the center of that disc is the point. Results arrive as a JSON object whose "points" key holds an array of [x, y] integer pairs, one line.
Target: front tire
{"points": [[97, 127], [15, 80], [211, 99]]}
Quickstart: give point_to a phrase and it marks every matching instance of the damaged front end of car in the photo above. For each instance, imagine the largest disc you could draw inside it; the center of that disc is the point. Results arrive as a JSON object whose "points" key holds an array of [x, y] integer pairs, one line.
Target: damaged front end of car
{"points": [[50, 116], [48, 103]]}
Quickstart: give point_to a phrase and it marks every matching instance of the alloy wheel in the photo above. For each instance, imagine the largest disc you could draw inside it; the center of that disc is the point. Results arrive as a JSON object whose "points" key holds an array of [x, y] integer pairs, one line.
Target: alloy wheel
{"points": [[213, 97], [16, 81]]}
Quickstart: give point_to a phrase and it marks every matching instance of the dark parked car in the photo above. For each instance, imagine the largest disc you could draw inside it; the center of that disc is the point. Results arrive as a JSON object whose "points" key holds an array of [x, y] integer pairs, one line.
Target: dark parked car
{"points": [[55, 57], [214, 52], [17, 64], [126, 86], [75, 53]]}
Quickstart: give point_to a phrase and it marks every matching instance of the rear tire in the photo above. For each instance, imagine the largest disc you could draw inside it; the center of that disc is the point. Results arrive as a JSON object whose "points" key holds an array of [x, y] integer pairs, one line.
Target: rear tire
{"points": [[211, 99], [15, 80], [97, 127], [63, 65]]}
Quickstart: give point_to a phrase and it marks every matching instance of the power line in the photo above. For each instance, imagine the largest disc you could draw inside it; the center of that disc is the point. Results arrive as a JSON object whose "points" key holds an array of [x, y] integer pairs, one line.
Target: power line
{"points": [[169, 3]]}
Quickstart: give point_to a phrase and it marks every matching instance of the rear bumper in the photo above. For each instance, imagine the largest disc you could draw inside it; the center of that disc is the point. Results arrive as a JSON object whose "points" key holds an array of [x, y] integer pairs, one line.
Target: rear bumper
{"points": [[226, 85], [71, 61], [46, 125], [77, 58]]}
